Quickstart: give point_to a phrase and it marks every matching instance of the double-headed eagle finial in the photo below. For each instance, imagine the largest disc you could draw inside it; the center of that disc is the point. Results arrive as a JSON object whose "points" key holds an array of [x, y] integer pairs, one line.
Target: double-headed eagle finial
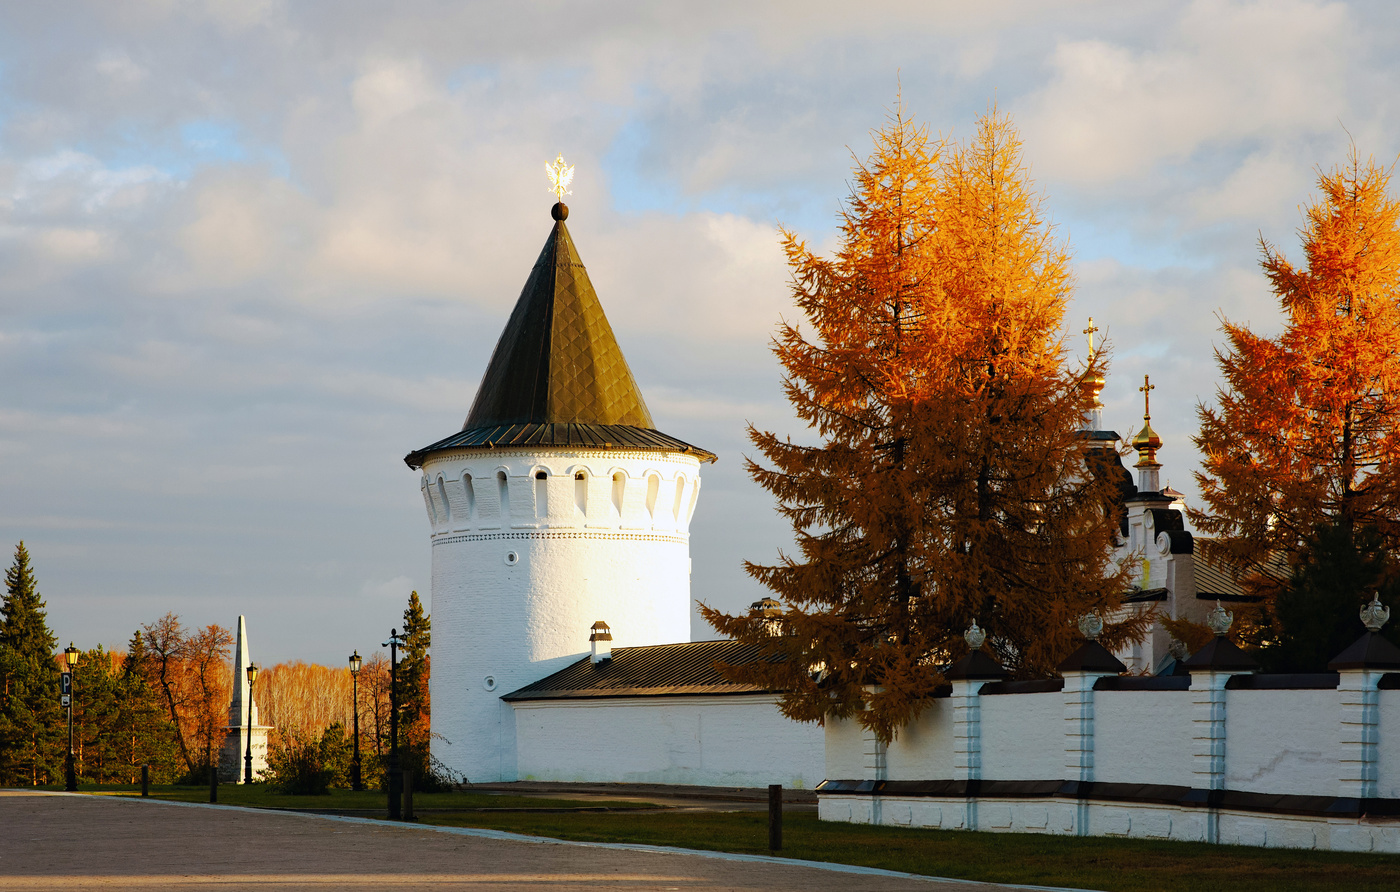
{"points": [[560, 175]]}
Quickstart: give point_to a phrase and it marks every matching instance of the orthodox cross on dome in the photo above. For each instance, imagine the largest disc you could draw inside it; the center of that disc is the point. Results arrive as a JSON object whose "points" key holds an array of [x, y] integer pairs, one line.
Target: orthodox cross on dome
{"points": [[1092, 383], [560, 175], [1147, 443]]}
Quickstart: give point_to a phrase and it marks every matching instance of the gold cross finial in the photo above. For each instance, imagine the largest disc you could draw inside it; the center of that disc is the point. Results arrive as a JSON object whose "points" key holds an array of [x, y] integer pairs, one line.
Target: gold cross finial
{"points": [[560, 175], [1090, 332], [1146, 391]]}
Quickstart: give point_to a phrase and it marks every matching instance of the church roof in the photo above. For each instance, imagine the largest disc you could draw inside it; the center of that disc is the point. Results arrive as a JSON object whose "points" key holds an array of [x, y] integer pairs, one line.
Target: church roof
{"points": [[660, 670], [557, 376], [1219, 582]]}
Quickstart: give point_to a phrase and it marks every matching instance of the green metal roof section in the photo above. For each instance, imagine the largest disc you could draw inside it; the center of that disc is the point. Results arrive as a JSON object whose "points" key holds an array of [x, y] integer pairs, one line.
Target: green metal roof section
{"points": [[557, 361], [557, 376]]}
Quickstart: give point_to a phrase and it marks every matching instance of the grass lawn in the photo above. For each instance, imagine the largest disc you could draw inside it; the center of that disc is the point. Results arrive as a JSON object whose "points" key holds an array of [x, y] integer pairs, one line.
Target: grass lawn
{"points": [[1121, 865], [259, 796]]}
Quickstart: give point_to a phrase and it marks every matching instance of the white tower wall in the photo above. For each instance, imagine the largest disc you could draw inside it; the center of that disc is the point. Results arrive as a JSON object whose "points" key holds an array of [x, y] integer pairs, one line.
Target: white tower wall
{"points": [[530, 548]]}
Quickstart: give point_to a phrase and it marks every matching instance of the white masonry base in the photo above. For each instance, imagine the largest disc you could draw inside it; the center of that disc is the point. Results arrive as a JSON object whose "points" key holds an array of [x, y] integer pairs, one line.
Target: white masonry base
{"points": [[1062, 817]]}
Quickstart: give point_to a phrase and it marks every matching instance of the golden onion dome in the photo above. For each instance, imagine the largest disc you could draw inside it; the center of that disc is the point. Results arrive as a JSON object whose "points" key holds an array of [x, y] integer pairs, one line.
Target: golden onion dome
{"points": [[1147, 438]]}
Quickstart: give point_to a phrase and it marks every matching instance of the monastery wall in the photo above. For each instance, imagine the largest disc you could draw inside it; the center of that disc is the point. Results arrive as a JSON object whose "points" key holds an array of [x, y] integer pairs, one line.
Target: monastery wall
{"points": [[732, 741], [1291, 761]]}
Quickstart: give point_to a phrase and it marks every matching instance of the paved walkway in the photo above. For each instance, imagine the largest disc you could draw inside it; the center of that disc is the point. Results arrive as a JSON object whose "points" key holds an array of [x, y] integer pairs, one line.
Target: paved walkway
{"points": [[78, 842]]}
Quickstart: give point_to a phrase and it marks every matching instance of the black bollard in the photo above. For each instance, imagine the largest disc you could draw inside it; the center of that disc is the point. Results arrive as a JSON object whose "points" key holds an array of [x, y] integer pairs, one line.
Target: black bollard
{"points": [[408, 795], [394, 779], [775, 817], [146, 781]]}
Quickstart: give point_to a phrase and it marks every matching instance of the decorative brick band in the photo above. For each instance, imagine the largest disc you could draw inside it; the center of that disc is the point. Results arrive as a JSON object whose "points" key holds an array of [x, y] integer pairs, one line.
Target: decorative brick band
{"points": [[557, 534]]}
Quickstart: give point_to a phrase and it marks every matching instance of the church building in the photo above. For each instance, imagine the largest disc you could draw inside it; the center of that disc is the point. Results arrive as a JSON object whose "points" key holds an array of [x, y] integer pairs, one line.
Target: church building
{"points": [[1169, 572]]}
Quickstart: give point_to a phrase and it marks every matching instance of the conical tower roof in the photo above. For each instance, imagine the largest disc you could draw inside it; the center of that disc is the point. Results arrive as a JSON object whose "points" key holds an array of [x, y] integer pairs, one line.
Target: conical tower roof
{"points": [[557, 361], [557, 376]]}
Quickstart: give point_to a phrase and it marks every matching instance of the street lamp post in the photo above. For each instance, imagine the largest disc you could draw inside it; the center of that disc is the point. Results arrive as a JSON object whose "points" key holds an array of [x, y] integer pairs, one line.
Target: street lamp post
{"points": [[248, 753], [355, 782], [395, 778], [70, 657]]}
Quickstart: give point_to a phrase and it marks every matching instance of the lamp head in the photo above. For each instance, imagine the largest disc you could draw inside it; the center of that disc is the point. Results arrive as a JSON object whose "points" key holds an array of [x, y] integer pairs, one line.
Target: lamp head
{"points": [[355, 663], [252, 674], [70, 655]]}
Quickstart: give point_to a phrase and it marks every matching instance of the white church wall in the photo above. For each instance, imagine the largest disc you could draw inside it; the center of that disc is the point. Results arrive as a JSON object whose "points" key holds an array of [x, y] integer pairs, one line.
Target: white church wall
{"points": [[737, 740], [1297, 767], [1283, 741], [1151, 729], [520, 574]]}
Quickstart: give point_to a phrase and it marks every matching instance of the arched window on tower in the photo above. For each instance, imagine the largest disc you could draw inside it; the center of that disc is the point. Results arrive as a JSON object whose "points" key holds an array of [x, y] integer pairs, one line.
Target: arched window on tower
{"points": [[581, 492], [619, 487], [680, 496], [442, 500], [503, 485], [469, 492], [653, 490], [541, 494], [694, 494]]}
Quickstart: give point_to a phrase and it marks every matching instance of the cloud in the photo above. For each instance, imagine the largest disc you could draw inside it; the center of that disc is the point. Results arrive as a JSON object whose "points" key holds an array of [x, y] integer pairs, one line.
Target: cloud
{"points": [[395, 589], [253, 253], [1223, 72]]}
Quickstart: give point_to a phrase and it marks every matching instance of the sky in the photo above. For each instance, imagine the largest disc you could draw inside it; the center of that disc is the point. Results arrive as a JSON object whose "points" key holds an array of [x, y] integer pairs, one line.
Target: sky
{"points": [[252, 253]]}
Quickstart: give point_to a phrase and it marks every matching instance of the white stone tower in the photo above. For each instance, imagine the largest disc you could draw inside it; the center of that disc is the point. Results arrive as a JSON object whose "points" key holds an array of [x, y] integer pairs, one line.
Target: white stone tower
{"points": [[558, 504], [231, 759]]}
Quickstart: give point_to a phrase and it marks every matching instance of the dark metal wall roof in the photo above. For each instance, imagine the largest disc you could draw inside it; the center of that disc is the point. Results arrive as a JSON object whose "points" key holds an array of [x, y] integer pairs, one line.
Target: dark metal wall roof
{"points": [[658, 671]]}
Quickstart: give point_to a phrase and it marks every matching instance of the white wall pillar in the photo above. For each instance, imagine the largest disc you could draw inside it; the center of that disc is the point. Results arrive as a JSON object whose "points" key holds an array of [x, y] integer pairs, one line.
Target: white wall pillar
{"points": [[1079, 739], [1081, 670], [875, 767], [1208, 738], [966, 703], [1358, 749]]}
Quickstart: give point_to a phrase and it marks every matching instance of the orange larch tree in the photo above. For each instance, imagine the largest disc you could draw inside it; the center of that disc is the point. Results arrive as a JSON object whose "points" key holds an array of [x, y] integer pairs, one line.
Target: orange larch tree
{"points": [[1302, 448], [950, 485]]}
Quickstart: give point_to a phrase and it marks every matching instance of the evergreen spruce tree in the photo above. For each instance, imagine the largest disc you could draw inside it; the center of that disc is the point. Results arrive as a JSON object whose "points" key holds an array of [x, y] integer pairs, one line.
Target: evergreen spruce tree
{"points": [[1316, 608], [94, 715], [415, 726], [32, 741]]}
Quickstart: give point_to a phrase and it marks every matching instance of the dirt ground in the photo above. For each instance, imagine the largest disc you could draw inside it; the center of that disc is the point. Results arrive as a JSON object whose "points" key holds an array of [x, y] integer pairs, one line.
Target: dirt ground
{"points": [[58, 841]]}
